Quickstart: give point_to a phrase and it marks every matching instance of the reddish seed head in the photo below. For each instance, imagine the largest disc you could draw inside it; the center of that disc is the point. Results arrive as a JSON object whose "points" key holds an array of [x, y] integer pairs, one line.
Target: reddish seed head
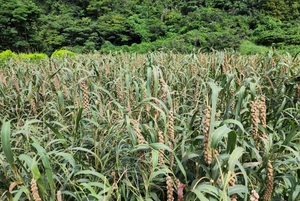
{"points": [[180, 192]]}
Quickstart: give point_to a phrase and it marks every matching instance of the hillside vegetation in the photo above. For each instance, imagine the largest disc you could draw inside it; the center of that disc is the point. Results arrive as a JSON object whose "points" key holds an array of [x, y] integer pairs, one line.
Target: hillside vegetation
{"points": [[144, 25]]}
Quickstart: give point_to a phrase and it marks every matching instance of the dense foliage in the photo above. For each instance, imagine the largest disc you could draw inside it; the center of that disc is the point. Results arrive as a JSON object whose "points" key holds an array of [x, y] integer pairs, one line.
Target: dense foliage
{"points": [[143, 25], [159, 126]]}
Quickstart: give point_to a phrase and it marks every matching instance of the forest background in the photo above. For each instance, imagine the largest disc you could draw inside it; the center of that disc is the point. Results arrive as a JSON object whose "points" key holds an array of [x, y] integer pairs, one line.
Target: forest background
{"points": [[82, 26]]}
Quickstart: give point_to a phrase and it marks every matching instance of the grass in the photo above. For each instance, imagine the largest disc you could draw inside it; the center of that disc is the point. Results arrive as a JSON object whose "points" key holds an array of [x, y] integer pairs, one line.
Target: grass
{"points": [[156, 126]]}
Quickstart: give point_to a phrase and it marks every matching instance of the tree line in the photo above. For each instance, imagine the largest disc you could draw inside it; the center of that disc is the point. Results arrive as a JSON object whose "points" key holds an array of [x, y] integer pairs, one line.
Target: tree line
{"points": [[143, 25]]}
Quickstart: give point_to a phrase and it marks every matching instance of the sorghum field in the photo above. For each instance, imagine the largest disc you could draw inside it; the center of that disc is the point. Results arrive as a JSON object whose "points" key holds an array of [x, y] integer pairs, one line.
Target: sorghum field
{"points": [[159, 126]]}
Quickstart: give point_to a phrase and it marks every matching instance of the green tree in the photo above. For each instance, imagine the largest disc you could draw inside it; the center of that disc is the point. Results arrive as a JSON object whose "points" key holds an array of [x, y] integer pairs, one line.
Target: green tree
{"points": [[146, 29], [80, 32], [282, 9], [97, 8], [18, 25], [112, 27]]}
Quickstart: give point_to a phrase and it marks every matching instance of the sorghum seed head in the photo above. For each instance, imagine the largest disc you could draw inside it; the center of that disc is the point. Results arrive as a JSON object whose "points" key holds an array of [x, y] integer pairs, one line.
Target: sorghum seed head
{"points": [[169, 183], [270, 178], [34, 190]]}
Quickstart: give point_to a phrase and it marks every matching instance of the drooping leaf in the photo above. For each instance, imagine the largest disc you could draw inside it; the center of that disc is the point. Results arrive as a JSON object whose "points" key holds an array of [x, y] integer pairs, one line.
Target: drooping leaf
{"points": [[234, 158], [218, 134], [199, 195]]}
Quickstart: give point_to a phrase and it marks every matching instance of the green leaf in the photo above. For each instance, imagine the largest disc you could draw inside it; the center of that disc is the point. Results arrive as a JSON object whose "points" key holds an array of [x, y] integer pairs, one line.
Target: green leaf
{"points": [[5, 138], [296, 193], [67, 157], [199, 195], [22, 190], [96, 174], [191, 122], [46, 163], [253, 90], [155, 81], [37, 175], [156, 173], [231, 141], [141, 147], [239, 103], [209, 189], [78, 118], [61, 102], [233, 121], [57, 133], [149, 81], [180, 166], [87, 151], [92, 191], [242, 169], [158, 145], [190, 156], [281, 107], [291, 135], [214, 98], [234, 158], [237, 189], [218, 134], [155, 154], [28, 160]]}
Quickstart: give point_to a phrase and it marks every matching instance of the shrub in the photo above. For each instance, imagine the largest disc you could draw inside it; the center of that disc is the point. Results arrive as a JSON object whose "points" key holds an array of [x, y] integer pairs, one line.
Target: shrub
{"points": [[5, 55], [62, 54], [34, 56], [248, 47]]}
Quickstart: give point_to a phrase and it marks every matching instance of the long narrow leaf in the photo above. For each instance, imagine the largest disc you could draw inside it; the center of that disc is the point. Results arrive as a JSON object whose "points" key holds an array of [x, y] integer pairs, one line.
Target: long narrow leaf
{"points": [[46, 163], [214, 97], [6, 147], [199, 195], [218, 134], [234, 157]]}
